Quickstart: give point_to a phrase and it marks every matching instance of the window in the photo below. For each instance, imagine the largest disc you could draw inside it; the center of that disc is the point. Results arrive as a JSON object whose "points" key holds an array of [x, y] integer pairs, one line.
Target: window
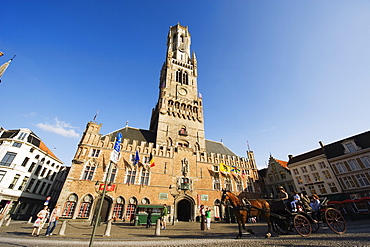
{"points": [[290, 186], [216, 182], [239, 185], [8, 159], [113, 174], [350, 147], [31, 167], [17, 144], [322, 165], [36, 186], [85, 207], [299, 180], [15, 180], [341, 167], [130, 211], [366, 161], [146, 160], [348, 182], [89, 172], [312, 189], [322, 188], [316, 176], [130, 177], [216, 168], [228, 184], [332, 187], [304, 169], [326, 174], [46, 192], [95, 153], [144, 178], [307, 178], [282, 175], [41, 190], [312, 167], [68, 210], [295, 171], [22, 135], [353, 165], [2, 175], [43, 172], [23, 184], [25, 161], [29, 187], [38, 169], [362, 180], [271, 178], [117, 211]]}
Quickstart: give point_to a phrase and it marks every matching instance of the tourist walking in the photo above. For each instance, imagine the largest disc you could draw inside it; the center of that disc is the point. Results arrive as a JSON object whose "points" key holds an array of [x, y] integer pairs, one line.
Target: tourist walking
{"points": [[164, 217], [40, 221], [202, 218], [54, 217]]}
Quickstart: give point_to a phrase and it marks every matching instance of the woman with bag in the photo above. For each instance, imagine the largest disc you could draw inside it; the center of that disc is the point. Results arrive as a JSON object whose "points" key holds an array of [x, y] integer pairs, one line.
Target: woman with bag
{"points": [[40, 221]]}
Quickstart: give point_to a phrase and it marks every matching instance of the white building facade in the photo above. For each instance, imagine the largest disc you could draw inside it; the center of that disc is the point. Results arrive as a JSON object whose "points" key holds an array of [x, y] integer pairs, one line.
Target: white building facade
{"points": [[27, 171]]}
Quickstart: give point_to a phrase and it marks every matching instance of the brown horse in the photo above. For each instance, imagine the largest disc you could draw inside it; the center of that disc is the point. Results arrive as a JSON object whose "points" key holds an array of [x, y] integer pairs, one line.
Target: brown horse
{"points": [[254, 208]]}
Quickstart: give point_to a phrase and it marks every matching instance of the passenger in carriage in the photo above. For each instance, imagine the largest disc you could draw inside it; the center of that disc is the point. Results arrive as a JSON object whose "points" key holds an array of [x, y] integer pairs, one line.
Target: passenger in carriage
{"points": [[294, 203], [315, 205], [305, 202]]}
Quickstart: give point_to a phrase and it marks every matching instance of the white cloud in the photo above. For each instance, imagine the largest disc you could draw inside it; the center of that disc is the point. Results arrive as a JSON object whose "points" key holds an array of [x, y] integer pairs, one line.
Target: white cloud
{"points": [[60, 128]]}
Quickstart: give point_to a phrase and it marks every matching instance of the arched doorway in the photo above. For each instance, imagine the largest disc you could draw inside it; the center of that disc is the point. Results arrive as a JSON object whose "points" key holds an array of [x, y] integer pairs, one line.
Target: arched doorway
{"points": [[184, 210], [105, 210]]}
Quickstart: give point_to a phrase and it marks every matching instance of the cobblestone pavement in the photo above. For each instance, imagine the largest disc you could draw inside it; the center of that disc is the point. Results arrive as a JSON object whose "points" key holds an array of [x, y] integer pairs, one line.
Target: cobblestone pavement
{"points": [[180, 234]]}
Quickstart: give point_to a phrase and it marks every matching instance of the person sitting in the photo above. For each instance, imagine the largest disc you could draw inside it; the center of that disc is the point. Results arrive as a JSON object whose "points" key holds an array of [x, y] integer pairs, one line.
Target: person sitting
{"points": [[283, 196], [296, 199], [305, 202], [315, 205]]}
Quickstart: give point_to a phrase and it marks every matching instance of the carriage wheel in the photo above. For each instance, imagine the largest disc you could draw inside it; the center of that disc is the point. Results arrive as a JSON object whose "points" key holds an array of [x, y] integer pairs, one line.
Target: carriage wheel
{"points": [[280, 227], [335, 220], [302, 225]]}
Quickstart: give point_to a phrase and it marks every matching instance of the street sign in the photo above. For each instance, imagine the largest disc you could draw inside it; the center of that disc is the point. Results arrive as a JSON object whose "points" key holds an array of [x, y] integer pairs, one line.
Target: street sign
{"points": [[114, 156]]}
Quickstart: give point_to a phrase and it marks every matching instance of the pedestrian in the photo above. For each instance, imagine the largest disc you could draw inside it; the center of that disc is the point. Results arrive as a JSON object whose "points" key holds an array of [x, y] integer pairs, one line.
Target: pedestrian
{"points": [[164, 217], [208, 218], [53, 221], [315, 205], [40, 221], [149, 218], [202, 218]]}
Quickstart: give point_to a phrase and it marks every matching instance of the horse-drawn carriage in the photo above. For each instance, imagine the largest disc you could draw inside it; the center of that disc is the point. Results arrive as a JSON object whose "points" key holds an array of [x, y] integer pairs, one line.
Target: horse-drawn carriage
{"points": [[281, 219], [284, 220]]}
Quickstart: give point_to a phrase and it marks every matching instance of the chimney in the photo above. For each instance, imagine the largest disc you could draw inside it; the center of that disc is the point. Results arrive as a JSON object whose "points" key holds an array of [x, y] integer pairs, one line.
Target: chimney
{"points": [[321, 144], [290, 156]]}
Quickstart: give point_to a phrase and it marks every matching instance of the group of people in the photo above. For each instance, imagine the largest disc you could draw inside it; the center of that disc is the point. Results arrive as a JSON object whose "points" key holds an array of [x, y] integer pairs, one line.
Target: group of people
{"points": [[302, 202], [205, 218], [42, 217]]}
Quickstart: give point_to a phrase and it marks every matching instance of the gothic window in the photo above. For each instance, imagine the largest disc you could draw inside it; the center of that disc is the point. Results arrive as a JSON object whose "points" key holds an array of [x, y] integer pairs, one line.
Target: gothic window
{"points": [[182, 39], [130, 177], [85, 207], [95, 153], [239, 185], [88, 172], [228, 184], [69, 206], [144, 177], [118, 208]]}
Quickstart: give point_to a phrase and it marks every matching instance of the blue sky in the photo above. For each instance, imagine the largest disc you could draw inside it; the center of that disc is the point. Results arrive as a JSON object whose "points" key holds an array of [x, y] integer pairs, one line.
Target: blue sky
{"points": [[281, 75]]}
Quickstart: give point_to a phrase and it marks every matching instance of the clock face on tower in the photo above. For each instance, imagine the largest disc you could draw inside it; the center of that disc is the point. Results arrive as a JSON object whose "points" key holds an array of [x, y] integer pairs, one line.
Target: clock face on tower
{"points": [[182, 91]]}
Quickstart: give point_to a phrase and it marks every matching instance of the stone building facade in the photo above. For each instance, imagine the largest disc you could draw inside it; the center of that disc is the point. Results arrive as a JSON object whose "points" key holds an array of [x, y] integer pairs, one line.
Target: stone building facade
{"points": [[185, 172]]}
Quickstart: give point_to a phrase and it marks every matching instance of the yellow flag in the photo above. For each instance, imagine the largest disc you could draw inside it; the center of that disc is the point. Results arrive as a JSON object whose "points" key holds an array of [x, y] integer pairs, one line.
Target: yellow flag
{"points": [[224, 168]]}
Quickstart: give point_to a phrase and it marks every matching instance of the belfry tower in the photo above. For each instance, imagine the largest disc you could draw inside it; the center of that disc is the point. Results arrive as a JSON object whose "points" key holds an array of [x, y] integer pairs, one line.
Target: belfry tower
{"points": [[177, 118]]}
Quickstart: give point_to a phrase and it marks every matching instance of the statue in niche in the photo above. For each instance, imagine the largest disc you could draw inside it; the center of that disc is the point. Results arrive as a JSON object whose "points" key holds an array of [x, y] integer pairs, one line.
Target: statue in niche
{"points": [[185, 167]]}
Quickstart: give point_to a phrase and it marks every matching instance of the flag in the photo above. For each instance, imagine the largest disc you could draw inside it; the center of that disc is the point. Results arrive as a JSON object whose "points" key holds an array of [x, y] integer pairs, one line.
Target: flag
{"points": [[4, 67], [96, 115], [224, 168], [200, 96], [243, 173], [235, 169], [151, 160], [137, 158]]}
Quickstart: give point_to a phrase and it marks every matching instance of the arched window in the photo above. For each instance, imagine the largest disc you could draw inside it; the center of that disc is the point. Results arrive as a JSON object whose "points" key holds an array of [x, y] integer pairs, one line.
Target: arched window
{"points": [[144, 177], [130, 176], [228, 184], [85, 207], [69, 206], [118, 208], [89, 171], [130, 210], [216, 182]]}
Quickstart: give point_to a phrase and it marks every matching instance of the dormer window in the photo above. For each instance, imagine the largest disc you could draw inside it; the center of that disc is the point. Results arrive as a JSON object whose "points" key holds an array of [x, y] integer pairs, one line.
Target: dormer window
{"points": [[350, 147]]}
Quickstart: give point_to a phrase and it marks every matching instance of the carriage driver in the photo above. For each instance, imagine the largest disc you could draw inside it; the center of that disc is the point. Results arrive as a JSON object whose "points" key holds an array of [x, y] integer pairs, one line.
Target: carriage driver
{"points": [[283, 195]]}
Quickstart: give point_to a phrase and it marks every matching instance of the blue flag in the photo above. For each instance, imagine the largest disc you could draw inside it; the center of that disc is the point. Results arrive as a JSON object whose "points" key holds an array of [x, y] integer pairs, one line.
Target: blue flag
{"points": [[137, 158]]}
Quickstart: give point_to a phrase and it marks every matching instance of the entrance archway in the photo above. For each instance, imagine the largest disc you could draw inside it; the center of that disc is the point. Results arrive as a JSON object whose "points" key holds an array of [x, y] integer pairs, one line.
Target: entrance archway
{"points": [[184, 210]]}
